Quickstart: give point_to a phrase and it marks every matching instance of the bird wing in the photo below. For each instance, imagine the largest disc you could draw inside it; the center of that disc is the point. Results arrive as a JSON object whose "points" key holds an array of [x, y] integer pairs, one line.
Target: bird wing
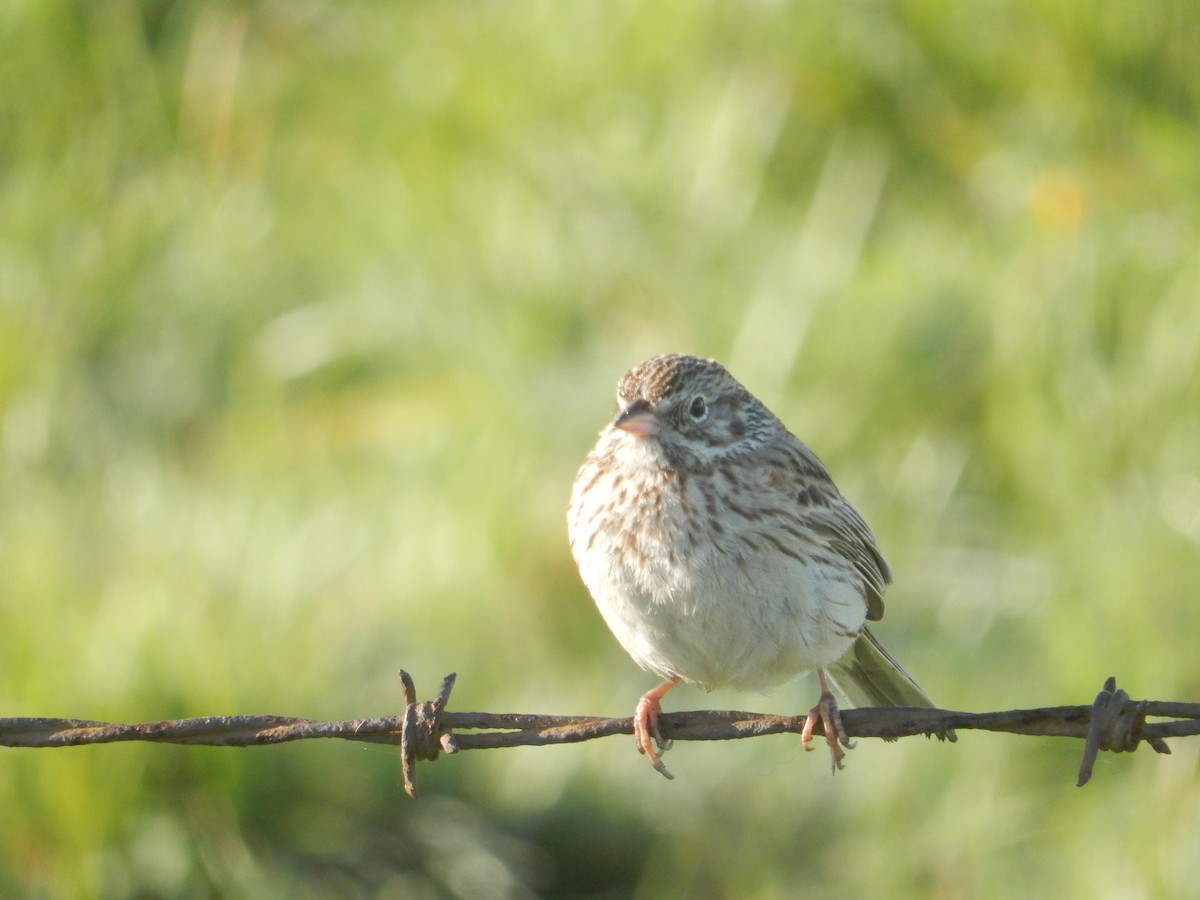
{"points": [[829, 516]]}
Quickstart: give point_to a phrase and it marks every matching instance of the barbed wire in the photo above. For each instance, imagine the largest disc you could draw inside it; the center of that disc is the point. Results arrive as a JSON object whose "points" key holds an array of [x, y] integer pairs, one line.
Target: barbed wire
{"points": [[1112, 722]]}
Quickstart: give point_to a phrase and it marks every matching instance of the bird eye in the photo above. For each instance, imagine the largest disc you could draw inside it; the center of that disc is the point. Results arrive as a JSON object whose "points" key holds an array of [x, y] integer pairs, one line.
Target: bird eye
{"points": [[699, 409]]}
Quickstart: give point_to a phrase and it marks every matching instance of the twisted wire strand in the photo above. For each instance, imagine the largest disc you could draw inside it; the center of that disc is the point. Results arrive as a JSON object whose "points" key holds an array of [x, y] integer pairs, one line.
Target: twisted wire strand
{"points": [[1112, 722]]}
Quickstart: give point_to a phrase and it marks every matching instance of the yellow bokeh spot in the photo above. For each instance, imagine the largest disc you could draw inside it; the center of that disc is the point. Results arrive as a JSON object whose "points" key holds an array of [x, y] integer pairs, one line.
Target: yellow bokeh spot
{"points": [[1058, 200]]}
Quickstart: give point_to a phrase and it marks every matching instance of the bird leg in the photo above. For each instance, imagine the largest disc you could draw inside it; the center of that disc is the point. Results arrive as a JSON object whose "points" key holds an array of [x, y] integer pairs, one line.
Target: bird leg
{"points": [[645, 725], [831, 719]]}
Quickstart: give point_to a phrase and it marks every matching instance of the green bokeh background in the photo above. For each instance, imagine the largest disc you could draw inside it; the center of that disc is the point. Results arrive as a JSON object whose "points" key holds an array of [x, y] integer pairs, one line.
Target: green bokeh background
{"points": [[309, 311]]}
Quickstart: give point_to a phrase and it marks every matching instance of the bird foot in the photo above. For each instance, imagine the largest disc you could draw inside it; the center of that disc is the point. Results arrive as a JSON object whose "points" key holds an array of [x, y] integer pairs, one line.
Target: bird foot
{"points": [[831, 720], [646, 730]]}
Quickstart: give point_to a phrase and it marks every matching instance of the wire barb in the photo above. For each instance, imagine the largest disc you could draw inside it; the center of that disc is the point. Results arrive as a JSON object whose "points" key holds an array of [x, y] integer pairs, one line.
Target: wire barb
{"points": [[1116, 724], [422, 735]]}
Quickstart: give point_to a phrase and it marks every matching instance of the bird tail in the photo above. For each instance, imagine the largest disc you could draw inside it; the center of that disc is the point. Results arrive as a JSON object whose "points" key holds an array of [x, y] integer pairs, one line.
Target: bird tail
{"points": [[868, 676]]}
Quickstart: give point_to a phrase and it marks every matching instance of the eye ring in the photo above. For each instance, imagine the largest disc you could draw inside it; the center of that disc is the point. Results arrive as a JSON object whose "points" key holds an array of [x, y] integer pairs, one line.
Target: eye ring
{"points": [[698, 409]]}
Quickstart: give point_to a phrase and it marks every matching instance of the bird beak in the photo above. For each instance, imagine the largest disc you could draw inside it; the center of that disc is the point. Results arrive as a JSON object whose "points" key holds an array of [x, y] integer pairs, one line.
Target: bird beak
{"points": [[637, 419]]}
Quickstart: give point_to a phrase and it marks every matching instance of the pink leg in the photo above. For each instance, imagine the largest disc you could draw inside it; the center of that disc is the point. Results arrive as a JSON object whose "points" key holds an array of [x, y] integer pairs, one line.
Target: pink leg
{"points": [[835, 732], [645, 725]]}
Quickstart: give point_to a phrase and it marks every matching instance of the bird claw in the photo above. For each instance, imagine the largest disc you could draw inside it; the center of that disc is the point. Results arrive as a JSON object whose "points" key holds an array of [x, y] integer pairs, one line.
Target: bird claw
{"points": [[647, 733], [835, 732]]}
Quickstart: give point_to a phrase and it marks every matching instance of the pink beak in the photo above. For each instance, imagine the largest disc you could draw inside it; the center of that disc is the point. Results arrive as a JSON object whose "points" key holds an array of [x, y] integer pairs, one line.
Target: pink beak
{"points": [[637, 419]]}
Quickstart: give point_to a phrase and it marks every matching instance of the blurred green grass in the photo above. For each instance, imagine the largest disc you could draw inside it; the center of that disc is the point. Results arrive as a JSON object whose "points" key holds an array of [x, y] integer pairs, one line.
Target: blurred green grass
{"points": [[309, 311]]}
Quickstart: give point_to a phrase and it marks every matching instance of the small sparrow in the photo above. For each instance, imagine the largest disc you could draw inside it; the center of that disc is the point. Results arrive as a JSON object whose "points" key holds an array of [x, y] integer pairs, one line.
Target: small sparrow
{"points": [[720, 553]]}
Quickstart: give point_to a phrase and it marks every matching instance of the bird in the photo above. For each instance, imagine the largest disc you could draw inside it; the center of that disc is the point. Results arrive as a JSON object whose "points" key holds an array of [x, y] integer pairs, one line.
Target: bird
{"points": [[720, 553]]}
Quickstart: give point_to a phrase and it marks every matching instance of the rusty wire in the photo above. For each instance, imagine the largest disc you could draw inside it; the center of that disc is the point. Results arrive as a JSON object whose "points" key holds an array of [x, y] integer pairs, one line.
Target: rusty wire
{"points": [[1112, 722]]}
